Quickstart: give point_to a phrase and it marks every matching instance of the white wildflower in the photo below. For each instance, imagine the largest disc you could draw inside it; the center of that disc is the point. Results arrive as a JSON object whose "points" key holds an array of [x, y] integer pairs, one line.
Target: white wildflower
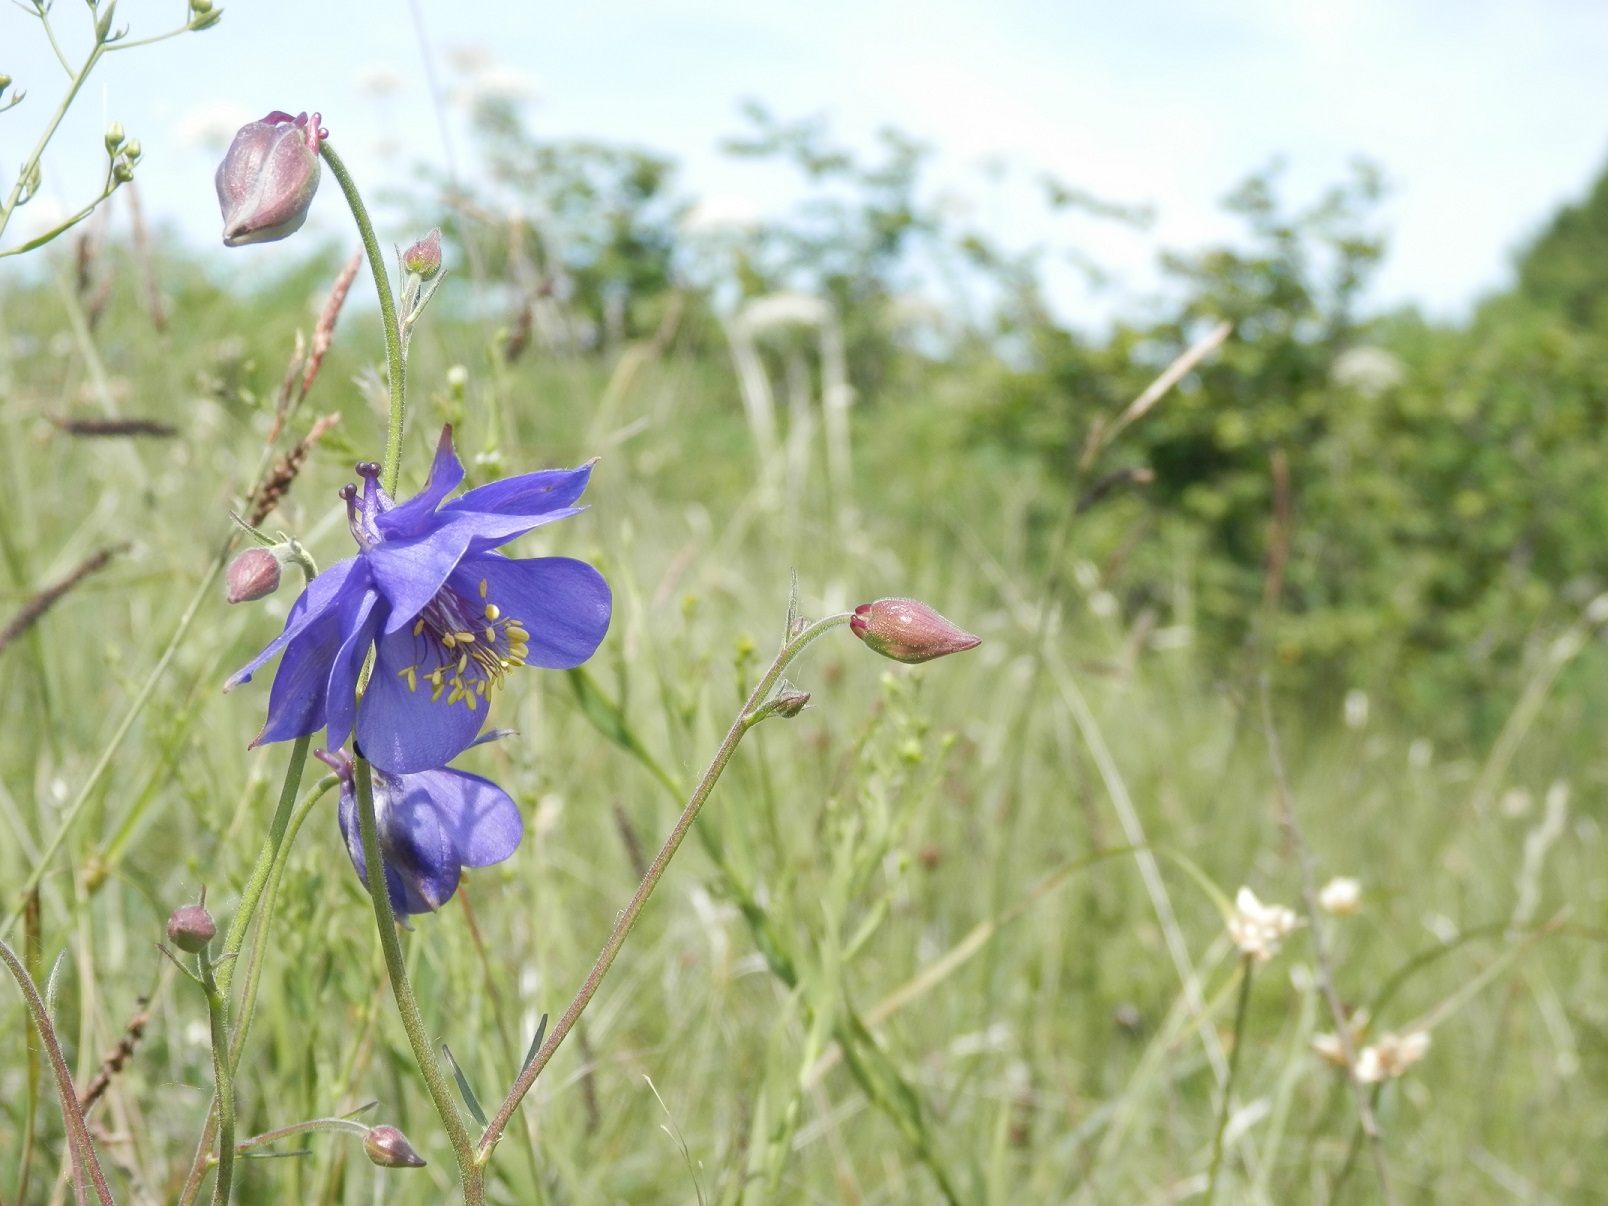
{"points": [[1391, 1056], [1341, 896], [1256, 928]]}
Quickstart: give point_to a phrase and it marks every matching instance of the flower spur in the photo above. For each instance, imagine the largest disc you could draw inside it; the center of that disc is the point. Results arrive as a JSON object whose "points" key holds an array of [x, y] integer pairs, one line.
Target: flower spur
{"points": [[447, 616]]}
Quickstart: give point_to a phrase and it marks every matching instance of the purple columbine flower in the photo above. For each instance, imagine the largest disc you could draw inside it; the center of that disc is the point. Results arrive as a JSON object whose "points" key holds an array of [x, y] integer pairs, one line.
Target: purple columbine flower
{"points": [[431, 826], [448, 616]]}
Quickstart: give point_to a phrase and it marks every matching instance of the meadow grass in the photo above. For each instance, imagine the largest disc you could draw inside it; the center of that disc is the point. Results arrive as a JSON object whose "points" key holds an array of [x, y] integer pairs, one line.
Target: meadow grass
{"points": [[925, 864]]}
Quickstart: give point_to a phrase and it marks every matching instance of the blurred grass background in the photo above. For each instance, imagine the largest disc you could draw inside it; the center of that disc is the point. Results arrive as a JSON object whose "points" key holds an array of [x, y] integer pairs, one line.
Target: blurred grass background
{"points": [[1447, 539]]}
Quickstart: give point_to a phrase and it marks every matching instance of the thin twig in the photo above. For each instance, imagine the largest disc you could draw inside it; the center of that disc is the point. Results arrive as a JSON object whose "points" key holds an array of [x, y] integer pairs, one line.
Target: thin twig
{"points": [[115, 1059], [1320, 953], [114, 427], [752, 712], [79, 1146], [46, 599]]}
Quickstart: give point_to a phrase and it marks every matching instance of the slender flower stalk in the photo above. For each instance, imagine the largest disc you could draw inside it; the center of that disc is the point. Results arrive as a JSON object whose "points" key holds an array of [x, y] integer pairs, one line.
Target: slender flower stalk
{"points": [[223, 1077], [469, 1169], [1248, 963], [248, 994], [393, 330], [79, 1146], [754, 710]]}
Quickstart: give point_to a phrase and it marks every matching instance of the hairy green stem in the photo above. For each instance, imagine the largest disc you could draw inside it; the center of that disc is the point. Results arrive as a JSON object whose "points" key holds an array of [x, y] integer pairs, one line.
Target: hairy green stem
{"points": [[266, 858], [223, 1078], [344, 1125], [79, 1146], [1241, 1012], [248, 994], [393, 330], [30, 165], [407, 1005], [753, 711]]}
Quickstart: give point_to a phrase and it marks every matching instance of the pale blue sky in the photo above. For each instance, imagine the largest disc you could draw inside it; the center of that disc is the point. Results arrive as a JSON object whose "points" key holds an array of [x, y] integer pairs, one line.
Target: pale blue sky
{"points": [[1484, 115]]}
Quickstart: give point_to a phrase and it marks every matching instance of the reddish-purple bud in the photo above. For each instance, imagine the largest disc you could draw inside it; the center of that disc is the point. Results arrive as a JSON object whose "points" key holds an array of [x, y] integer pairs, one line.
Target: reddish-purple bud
{"points": [[908, 631], [268, 177], [423, 259], [190, 928], [389, 1148], [252, 575]]}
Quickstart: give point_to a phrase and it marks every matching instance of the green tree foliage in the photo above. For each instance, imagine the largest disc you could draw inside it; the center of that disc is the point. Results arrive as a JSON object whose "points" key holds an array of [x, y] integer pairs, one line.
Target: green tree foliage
{"points": [[1445, 511]]}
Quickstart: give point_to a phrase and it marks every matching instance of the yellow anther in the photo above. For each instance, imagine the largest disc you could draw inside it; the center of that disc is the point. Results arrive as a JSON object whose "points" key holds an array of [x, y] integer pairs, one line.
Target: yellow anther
{"points": [[448, 639], [482, 588], [465, 638], [491, 635], [518, 650], [516, 633], [463, 662], [457, 693], [492, 611], [435, 692], [412, 675], [419, 627], [470, 700]]}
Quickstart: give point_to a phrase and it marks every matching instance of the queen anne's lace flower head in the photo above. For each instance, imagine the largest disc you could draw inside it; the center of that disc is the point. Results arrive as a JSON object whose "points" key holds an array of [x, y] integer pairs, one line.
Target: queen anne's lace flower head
{"points": [[447, 616]]}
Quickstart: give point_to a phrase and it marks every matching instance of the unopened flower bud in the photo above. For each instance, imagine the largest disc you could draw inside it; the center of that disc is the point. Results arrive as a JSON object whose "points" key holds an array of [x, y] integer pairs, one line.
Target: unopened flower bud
{"points": [[253, 575], [190, 928], [268, 177], [908, 631], [423, 259], [389, 1148], [200, 6], [103, 23], [133, 150], [206, 20], [122, 170], [790, 703], [5, 81], [114, 137]]}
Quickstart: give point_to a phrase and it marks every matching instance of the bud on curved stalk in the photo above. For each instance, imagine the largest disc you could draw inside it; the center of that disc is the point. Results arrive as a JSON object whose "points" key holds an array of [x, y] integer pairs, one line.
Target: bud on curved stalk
{"points": [[389, 1148], [423, 259], [907, 630], [191, 928], [790, 702], [253, 575], [114, 137], [268, 177]]}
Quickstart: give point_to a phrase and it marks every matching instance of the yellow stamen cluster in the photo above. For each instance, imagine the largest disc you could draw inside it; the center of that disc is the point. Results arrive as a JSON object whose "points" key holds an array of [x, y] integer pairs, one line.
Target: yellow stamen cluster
{"points": [[482, 659]]}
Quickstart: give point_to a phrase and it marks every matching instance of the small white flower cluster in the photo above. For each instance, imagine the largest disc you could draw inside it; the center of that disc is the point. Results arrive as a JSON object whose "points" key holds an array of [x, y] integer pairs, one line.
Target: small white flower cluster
{"points": [[1341, 896], [1391, 1056], [1258, 929]]}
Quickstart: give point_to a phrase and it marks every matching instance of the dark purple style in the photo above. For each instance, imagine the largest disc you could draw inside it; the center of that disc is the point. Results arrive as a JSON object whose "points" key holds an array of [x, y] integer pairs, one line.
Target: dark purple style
{"points": [[447, 615], [431, 826]]}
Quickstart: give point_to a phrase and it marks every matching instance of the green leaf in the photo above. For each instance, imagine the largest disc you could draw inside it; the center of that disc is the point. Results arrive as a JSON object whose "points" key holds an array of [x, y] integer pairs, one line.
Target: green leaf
{"points": [[535, 1043], [469, 1098]]}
